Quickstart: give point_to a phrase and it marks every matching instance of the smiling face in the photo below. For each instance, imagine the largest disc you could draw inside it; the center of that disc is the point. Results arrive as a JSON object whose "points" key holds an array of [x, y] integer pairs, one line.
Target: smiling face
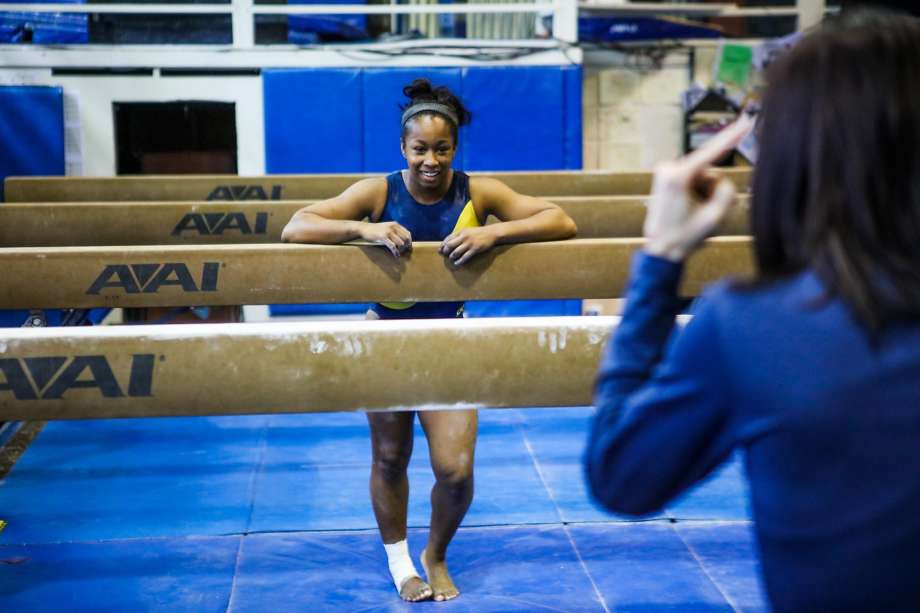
{"points": [[429, 147]]}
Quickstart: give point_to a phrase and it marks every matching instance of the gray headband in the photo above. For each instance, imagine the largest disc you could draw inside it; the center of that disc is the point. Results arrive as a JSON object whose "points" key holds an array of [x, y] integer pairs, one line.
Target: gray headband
{"points": [[429, 107]]}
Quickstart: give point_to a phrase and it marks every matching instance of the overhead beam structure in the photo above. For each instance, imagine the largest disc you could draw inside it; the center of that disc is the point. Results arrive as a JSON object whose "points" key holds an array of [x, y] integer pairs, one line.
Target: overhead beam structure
{"points": [[224, 369], [306, 187], [41, 277], [77, 224]]}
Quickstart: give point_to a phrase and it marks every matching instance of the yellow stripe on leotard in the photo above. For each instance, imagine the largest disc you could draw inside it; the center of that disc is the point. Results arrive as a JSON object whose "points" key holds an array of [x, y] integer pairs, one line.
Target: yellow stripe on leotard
{"points": [[467, 219]]}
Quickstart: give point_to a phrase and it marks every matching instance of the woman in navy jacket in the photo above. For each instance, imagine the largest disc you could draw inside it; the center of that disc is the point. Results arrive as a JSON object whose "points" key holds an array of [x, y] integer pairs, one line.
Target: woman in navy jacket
{"points": [[812, 368]]}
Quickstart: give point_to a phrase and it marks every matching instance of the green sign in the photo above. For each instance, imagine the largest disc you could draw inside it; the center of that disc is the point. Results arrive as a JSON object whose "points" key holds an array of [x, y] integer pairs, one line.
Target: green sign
{"points": [[734, 64]]}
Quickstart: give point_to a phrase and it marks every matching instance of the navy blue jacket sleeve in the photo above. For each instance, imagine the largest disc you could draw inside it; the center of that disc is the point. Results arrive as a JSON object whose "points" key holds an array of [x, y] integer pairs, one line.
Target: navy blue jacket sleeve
{"points": [[662, 419]]}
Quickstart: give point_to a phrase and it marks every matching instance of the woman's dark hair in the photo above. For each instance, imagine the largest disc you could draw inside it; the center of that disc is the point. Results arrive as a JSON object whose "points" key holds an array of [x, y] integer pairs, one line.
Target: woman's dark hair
{"points": [[837, 182], [421, 90]]}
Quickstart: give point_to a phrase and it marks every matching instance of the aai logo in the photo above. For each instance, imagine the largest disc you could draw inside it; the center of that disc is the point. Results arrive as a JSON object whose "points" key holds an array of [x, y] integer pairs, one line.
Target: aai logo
{"points": [[215, 224], [149, 278], [244, 192], [49, 378]]}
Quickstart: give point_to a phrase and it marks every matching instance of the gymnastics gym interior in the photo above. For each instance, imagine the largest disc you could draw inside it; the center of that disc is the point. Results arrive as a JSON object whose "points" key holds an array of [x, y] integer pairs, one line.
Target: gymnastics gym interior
{"points": [[183, 396]]}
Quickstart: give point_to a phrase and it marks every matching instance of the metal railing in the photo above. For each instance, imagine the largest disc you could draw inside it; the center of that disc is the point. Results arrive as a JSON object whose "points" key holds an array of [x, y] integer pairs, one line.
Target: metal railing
{"points": [[511, 14]]}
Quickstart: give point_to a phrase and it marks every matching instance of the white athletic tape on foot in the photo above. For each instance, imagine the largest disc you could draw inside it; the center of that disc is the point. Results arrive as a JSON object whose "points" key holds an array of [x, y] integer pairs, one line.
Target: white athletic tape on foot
{"points": [[401, 567]]}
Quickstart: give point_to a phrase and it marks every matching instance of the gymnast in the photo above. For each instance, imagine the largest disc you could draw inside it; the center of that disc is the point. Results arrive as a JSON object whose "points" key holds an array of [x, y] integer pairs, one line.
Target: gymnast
{"points": [[427, 201]]}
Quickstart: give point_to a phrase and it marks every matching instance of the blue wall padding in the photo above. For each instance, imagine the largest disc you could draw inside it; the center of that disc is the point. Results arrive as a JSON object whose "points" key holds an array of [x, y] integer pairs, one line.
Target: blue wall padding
{"points": [[347, 119], [517, 118], [313, 120], [31, 131], [572, 116], [382, 97]]}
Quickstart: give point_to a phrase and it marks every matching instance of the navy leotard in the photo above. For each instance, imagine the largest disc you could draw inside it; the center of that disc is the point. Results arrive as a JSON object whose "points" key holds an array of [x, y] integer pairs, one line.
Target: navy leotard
{"points": [[427, 222]]}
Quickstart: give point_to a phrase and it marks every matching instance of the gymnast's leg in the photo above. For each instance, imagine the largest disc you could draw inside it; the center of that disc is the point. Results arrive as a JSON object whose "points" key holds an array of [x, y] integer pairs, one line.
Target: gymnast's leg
{"points": [[451, 440], [391, 443]]}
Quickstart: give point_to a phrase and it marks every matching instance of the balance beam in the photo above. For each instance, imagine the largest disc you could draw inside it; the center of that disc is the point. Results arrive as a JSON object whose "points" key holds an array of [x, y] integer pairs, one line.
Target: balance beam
{"points": [[87, 224], [305, 187], [228, 369], [39, 277]]}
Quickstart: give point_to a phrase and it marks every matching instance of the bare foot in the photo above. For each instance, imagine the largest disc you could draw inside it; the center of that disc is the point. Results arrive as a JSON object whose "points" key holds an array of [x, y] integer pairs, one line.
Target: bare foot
{"points": [[442, 585], [415, 590]]}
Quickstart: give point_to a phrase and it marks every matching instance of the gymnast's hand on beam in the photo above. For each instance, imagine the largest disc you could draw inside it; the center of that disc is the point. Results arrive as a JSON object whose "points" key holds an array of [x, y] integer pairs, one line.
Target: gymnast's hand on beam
{"points": [[460, 246], [389, 234], [688, 200]]}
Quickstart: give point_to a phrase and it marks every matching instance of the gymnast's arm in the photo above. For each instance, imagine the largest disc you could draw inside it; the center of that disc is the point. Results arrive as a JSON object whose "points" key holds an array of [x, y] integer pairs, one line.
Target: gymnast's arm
{"points": [[342, 219], [521, 219]]}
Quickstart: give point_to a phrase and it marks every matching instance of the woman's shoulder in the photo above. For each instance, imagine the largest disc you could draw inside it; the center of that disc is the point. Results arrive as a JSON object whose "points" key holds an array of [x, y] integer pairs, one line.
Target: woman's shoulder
{"points": [[737, 301]]}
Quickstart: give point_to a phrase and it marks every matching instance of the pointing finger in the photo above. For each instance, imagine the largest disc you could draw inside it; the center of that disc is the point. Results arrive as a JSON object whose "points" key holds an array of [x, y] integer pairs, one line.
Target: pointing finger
{"points": [[719, 145]]}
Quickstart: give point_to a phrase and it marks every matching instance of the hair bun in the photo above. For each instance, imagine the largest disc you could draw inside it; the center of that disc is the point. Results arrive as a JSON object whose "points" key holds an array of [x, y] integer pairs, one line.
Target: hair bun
{"points": [[419, 88]]}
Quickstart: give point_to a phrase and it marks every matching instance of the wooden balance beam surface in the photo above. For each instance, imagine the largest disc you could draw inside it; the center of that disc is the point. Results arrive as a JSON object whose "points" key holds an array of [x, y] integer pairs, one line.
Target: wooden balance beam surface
{"points": [[208, 223], [224, 369], [303, 187], [38, 277]]}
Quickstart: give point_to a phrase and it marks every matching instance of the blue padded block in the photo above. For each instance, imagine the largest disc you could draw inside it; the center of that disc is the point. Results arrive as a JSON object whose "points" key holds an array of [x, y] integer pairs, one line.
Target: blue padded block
{"points": [[517, 118], [496, 569], [729, 553], [572, 77], [107, 479], [645, 566], [31, 131], [313, 120], [522, 308], [193, 575], [724, 495], [557, 439], [382, 97]]}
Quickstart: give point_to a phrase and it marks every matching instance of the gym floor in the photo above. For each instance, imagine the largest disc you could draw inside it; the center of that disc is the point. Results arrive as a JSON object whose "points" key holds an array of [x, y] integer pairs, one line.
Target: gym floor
{"points": [[271, 513]]}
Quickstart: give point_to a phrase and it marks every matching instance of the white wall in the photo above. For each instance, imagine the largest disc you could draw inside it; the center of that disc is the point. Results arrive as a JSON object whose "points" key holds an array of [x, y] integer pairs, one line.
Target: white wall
{"points": [[96, 95], [631, 110]]}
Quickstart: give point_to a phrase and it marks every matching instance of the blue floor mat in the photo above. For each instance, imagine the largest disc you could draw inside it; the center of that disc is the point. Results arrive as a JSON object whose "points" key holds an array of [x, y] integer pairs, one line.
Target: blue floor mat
{"points": [[314, 476], [130, 478], [556, 438], [728, 553], [106, 479], [176, 575], [496, 569], [645, 566], [83, 500]]}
